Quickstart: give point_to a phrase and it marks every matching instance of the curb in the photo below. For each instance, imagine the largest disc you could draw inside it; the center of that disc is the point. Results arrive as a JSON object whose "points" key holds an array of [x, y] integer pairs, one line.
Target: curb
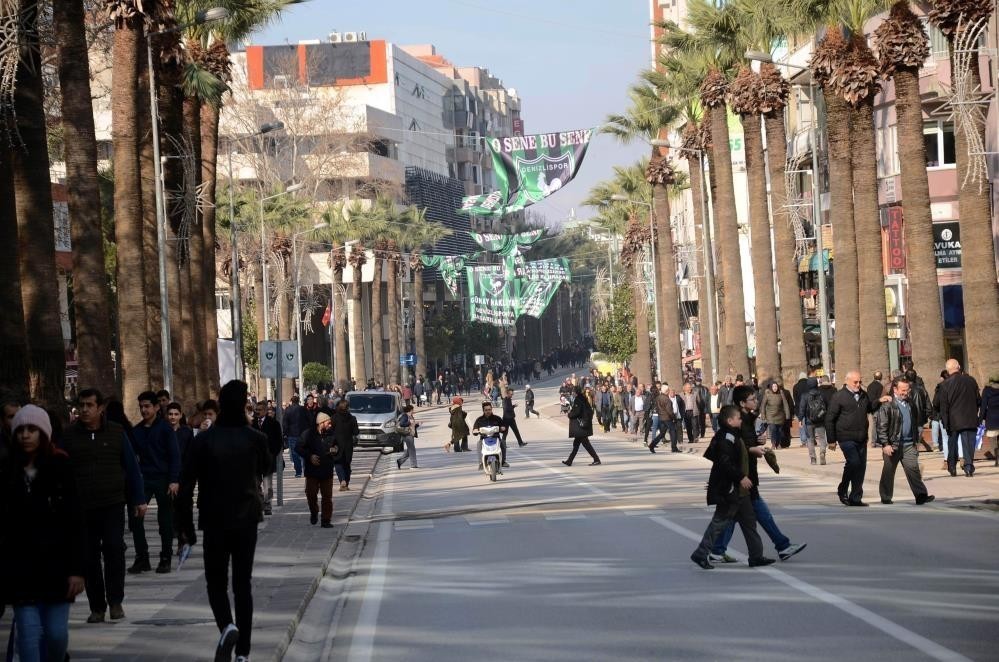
{"points": [[289, 635]]}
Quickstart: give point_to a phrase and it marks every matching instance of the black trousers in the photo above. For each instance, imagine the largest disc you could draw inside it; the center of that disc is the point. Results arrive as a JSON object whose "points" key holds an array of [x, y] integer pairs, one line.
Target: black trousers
{"points": [[585, 443], [690, 422], [221, 545], [105, 581], [666, 426], [855, 453], [511, 424], [155, 489], [742, 512]]}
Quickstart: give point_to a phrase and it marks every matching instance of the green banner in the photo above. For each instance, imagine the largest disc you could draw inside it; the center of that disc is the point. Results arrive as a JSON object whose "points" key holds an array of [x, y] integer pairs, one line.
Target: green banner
{"points": [[534, 299], [499, 293], [529, 169], [448, 266], [554, 269], [506, 244]]}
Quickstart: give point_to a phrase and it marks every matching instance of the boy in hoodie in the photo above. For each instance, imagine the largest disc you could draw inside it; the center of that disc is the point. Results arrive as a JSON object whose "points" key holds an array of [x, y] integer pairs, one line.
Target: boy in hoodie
{"points": [[729, 488]]}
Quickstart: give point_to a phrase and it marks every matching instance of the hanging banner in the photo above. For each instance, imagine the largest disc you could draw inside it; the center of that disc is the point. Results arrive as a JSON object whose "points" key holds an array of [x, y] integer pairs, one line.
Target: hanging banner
{"points": [[492, 298], [536, 296], [506, 244], [448, 266], [554, 269], [529, 169]]}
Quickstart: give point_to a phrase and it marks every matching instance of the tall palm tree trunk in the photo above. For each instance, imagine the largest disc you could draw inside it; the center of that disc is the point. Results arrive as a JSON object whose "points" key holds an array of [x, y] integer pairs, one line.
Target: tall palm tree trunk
{"points": [[258, 311], [209, 181], [867, 226], [377, 333], [419, 335], [736, 345], [200, 299], [923, 302], [91, 294], [670, 350], [13, 341], [339, 330], [150, 247], [718, 295], [978, 272], [641, 364], [847, 303], [36, 232], [394, 370], [704, 298], [792, 339], [767, 357], [360, 373]]}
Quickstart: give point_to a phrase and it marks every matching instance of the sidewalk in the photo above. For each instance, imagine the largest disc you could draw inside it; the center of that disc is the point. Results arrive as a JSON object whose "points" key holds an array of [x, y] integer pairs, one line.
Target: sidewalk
{"points": [[982, 491], [167, 616]]}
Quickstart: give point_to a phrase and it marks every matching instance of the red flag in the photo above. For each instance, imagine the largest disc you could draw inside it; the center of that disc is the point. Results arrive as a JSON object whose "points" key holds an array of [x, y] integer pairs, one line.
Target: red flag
{"points": [[326, 315]]}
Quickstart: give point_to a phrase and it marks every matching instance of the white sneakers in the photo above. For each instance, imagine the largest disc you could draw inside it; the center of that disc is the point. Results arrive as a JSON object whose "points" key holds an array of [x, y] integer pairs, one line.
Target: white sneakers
{"points": [[227, 643], [790, 551]]}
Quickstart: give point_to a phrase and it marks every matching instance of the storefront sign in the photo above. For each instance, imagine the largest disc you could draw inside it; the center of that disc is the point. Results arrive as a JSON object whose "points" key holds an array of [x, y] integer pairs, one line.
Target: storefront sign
{"points": [[947, 245], [896, 247]]}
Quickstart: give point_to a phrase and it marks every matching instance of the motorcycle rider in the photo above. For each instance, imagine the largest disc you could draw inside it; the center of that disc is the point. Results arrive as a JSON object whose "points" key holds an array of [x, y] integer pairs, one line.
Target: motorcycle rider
{"points": [[488, 419]]}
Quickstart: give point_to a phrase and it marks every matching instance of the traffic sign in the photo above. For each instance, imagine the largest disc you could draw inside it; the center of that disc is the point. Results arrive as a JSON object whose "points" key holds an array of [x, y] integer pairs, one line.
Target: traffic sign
{"points": [[407, 359], [278, 356]]}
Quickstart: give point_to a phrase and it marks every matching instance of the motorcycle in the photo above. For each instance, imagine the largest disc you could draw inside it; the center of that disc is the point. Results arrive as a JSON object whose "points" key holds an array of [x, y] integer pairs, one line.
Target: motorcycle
{"points": [[491, 451], [563, 405]]}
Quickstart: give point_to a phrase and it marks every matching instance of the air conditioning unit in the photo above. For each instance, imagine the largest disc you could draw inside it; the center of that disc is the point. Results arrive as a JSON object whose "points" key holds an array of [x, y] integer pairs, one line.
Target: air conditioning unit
{"points": [[350, 37], [336, 38], [362, 36]]}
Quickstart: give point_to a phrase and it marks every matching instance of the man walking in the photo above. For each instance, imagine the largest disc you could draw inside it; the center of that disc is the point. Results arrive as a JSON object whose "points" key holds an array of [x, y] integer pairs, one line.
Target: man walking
{"points": [[265, 423], [846, 425], [959, 408], [320, 452], [294, 421], [107, 475], [159, 460], [812, 407], [529, 403], [898, 423], [229, 510], [510, 417]]}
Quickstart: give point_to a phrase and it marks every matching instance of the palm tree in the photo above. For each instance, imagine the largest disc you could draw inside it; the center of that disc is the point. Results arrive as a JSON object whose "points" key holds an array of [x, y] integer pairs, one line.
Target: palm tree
{"points": [[902, 49], [422, 234], [383, 213], [978, 276], [36, 232], [13, 341], [338, 218], [363, 227], [846, 283], [91, 294], [650, 118]]}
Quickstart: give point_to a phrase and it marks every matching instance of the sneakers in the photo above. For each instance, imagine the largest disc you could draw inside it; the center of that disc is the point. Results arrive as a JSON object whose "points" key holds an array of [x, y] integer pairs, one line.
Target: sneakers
{"points": [[227, 642], [790, 551], [327, 525], [96, 617], [760, 562], [704, 563], [343, 486], [117, 613], [163, 567], [721, 558], [140, 565]]}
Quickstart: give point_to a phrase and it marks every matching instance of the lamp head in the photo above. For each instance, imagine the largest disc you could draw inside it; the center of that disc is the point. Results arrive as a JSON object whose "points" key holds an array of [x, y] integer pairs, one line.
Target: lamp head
{"points": [[295, 187], [212, 15], [758, 56], [270, 126]]}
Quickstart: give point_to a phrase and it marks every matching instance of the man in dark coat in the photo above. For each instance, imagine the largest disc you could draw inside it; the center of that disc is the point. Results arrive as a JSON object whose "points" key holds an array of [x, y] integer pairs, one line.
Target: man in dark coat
{"points": [[959, 404], [268, 425], [510, 417], [294, 421], [898, 427], [320, 451], [729, 488], [847, 425], [226, 463]]}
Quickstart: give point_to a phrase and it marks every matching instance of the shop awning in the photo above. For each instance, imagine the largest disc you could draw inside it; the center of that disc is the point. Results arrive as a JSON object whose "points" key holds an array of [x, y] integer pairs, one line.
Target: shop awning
{"points": [[810, 261]]}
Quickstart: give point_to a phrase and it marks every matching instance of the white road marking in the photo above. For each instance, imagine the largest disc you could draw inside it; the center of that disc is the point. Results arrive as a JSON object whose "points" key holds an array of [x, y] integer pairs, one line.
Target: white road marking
{"points": [[413, 525], [485, 521], [906, 636], [362, 642], [565, 516], [642, 513]]}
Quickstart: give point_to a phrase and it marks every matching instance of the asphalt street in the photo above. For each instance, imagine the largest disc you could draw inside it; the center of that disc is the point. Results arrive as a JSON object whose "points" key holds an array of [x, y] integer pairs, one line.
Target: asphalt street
{"points": [[592, 563]]}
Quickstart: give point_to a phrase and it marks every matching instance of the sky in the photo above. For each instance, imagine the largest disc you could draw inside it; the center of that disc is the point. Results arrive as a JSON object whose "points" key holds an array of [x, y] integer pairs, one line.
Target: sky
{"points": [[571, 61]]}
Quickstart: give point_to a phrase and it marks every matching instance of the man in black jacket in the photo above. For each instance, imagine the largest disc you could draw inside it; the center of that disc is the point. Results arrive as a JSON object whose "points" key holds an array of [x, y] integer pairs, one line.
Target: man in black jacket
{"points": [[226, 463], [294, 421], [898, 426], [729, 488], [529, 403], [846, 425], [510, 417], [320, 452], [959, 403], [271, 429], [489, 419]]}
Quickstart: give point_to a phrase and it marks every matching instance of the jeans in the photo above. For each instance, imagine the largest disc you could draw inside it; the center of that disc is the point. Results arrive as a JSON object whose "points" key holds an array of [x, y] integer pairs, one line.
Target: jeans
{"points": [[964, 441], [714, 422], [722, 526], [653, 428], [156, 488], [296, 459], [105, 581], [766, 521], [42, 631], [219, 546], [776, 432], [342, 472], [855, 453], [805, 432], [410, 455], [817, 435]]}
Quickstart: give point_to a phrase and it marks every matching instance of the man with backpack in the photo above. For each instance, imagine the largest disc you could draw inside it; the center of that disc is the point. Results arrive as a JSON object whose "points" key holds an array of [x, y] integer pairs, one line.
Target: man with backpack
{"points": [[812, 414]]}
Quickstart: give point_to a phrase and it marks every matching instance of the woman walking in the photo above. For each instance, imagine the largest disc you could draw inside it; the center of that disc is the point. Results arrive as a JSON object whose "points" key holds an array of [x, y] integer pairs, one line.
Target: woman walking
{"points": [[345, 432], [459, 426], [42, 564], [775, 413], [581, 426], [407, 428]]}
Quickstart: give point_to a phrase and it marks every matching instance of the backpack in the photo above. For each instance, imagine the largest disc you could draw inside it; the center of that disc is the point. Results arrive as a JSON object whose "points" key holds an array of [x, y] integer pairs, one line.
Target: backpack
{"points": [[815, 408]]}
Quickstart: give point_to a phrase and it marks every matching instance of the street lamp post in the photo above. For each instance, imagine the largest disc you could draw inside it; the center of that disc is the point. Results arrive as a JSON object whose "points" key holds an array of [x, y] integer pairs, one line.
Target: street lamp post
{"points": [[813, 134], [235, 308], [618, 197], [298, 312], [263, 259], [207, 16]]}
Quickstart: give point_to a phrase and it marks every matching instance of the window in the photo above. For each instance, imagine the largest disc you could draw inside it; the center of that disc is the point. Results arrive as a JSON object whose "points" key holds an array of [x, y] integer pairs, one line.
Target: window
{"points": [[938, 137]]}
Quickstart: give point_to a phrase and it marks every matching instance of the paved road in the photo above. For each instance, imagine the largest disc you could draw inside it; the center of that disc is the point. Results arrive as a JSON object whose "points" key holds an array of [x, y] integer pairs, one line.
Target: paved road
{"points": [[591, 563]]}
